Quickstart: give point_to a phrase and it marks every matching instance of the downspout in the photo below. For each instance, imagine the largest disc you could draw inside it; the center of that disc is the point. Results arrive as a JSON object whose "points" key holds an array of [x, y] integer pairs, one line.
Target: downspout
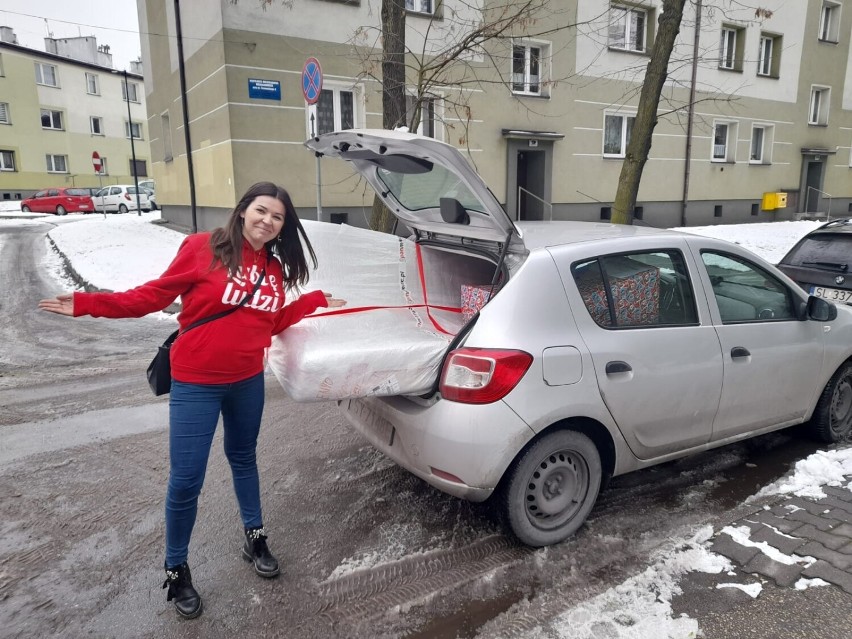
{"points": [[184, 101], [690, 114]]}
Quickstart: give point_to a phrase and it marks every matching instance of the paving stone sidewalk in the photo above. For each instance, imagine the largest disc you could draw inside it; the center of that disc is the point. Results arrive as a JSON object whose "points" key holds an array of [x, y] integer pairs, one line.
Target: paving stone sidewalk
{"points": [[813, 539]]}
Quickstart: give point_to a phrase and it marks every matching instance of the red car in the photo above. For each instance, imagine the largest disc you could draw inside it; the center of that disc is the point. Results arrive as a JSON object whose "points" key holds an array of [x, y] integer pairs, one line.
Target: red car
{"points": [[60, 201]]}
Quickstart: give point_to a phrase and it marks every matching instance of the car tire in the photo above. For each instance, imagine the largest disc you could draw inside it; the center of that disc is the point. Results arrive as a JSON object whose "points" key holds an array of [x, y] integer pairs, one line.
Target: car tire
{"points": [[832, 418], [551, 488], [25, 209], [60, 210], [122, 208]]}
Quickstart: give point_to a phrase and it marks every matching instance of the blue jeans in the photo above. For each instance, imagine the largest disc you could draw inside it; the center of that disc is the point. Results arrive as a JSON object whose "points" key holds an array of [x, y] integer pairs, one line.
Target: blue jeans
{"points": [[193, 414]]}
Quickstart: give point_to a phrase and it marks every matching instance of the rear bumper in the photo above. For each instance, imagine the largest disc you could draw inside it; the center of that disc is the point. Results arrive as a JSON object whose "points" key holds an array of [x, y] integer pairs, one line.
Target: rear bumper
{"points": [[473, 443]]}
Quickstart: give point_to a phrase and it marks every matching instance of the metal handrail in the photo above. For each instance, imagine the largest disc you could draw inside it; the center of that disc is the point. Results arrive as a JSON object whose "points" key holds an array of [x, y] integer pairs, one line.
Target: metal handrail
{"points": [[520, 188], [808, 200]]}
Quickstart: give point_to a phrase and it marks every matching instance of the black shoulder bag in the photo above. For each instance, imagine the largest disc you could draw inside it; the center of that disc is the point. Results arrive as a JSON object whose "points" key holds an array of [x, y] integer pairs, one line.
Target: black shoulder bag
{"points": [[160, 368]]}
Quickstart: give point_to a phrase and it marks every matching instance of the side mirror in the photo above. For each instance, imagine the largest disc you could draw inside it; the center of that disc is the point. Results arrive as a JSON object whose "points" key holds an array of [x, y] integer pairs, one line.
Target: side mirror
{"points": [[452, 211], [821, 310]]}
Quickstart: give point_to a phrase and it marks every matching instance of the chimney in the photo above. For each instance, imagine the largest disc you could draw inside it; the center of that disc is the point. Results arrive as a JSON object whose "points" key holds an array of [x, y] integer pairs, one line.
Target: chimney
{"points": [[7, 34]]}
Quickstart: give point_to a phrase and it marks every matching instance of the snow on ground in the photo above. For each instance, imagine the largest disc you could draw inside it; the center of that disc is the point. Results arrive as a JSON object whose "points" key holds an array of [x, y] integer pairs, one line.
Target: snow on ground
{"points": [[122, 251]]}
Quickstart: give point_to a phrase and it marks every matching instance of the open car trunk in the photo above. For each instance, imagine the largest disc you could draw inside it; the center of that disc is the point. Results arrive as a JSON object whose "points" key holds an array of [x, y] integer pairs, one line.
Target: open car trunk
{"points": [[404, 308]]}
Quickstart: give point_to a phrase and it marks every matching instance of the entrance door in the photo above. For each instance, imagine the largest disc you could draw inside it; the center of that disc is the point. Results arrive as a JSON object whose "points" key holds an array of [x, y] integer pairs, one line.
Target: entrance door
{"points": [[813, 182], [530, 185]]}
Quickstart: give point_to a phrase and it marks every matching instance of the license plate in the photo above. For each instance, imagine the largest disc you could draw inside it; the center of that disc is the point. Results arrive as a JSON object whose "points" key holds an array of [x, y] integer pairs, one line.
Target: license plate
{"points": [[371, 420], [832, 294]]}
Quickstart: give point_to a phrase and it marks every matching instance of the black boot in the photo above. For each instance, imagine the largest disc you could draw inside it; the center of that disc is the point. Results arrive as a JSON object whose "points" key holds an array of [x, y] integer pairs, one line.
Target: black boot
{"points": [[256, 550], [186, 598]]}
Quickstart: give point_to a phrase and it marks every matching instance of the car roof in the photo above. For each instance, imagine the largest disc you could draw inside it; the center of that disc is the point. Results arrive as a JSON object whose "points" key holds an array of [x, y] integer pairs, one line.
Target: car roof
{"points": [[842, 225], [542, 234]]}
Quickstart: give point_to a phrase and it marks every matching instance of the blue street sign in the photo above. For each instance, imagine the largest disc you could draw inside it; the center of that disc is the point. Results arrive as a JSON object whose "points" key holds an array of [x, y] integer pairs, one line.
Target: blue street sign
{"points": [[312, 80], [264, 89]]}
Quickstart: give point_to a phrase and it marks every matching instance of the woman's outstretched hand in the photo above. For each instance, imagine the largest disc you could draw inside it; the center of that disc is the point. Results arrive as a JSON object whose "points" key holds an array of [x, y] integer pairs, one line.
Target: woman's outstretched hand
{"points": [[334, 302], [61, 304]]}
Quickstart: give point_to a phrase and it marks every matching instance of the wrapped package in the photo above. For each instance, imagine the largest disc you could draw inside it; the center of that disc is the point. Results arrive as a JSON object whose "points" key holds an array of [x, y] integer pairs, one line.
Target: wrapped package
{"points": [[403, 310], [634, 288], [473, 298]]}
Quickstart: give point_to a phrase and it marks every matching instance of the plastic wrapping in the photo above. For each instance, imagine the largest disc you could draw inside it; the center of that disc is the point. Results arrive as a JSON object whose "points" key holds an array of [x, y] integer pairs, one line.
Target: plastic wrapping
{"points": [[403, 309]]}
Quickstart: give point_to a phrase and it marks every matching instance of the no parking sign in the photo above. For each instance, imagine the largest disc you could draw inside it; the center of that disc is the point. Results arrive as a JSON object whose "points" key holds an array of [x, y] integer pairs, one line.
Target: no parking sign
{"points": [[312, 80]]}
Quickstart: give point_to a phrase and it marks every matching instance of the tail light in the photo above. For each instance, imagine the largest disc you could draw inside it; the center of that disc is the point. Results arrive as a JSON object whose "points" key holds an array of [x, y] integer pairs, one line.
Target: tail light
{"points": [[482, 376], [127, 196]]}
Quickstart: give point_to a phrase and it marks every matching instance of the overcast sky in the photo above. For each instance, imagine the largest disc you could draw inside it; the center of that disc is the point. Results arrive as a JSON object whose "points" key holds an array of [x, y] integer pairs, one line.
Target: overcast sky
{"points": [[112, 22]]}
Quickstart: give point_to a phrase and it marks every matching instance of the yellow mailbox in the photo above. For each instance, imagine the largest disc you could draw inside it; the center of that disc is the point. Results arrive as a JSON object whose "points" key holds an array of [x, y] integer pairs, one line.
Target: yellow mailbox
{"points": [[772, 201]]}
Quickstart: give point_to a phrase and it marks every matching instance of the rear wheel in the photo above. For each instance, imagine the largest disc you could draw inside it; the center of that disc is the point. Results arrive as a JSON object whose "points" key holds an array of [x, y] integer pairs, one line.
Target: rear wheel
{"points": [[832, 418], [122, 208], [60, 210], [552, 488], [25, 209]]}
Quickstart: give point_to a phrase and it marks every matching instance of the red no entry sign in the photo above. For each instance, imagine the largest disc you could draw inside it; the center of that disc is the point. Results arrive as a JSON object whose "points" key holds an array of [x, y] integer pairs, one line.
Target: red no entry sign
{"points": [[312, 80], [96, 161]]}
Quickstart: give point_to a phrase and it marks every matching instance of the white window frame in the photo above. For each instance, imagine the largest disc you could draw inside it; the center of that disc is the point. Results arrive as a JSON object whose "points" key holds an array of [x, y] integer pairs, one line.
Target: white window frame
{"points": [[624, 32], [128, 129], [5, 117], [767, 135], [100, 121], [51, 163], [357, 92], [130, 88], [93, 85], [426, 7], [625, 119], [730, 146], [529, 87], [437, 110], [40, 68], [104, 170], [54, 115], [7, 160], [818, 105], [764, 62], [731, 44], [829, 21]]}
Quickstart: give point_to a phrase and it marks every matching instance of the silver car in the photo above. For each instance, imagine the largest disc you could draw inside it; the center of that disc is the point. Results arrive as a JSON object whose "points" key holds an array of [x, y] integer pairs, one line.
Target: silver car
{"points": [[603, 348]]}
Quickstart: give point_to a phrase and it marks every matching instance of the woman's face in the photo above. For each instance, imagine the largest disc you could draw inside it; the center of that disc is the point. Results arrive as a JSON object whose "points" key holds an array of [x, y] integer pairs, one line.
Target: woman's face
{"points": [[262, 220]]}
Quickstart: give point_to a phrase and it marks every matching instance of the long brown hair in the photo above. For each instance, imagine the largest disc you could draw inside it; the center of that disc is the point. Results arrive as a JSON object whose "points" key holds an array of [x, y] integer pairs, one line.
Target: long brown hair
{"points": [[227, 243]]}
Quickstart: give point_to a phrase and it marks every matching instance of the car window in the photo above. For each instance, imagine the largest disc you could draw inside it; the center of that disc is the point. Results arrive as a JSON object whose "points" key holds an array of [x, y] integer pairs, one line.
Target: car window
{"points": [[637, 290], [115, 191], [53, 193], [423, 189], [40, 194], [76, 191], [822, 249], [745, 292]]}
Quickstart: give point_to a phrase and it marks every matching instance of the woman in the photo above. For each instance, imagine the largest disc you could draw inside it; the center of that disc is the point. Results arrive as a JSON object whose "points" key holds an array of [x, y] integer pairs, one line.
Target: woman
{"points": [[218, 366]]}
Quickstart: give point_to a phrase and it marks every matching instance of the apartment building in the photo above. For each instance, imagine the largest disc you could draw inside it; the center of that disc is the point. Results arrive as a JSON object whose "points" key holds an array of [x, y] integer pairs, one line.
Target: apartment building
{"points": [[60, 105], [758, 100]]}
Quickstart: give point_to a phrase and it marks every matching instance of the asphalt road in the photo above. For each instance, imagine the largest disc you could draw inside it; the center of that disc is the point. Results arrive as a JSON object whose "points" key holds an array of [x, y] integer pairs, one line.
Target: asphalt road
{"points": [[366, 549]]}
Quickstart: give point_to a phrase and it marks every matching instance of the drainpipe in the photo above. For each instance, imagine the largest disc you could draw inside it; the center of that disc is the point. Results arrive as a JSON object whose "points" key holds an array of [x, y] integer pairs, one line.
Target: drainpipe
{"points": [[132, 145], [690, 114], [182, 73]]}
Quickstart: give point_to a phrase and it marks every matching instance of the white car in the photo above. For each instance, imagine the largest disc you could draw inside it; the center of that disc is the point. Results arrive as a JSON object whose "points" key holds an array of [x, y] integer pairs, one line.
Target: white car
{"points": [[120, 198]]}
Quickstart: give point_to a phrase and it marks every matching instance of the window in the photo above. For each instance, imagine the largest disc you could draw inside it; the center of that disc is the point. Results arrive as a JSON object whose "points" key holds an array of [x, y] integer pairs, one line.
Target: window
{"points": [[134, 128], [724, 141], [57, 163], [745, 292], [761, 144], [617, 130], [637, 290], [829, 22], [129, 89], [769, 57], [419, 6], [104, 170], [46, 74], [96, 125], [627, 28], [166, 136], [4, 113], [51, 119], [731, 48], [334, 111], [140, 168], [92, 84], [528, 62], [818, 111], [7, 160], [427, 123]]}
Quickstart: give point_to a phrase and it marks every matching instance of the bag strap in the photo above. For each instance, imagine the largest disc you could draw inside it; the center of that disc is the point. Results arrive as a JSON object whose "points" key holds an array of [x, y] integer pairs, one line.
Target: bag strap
{"points": [[220, 314]]}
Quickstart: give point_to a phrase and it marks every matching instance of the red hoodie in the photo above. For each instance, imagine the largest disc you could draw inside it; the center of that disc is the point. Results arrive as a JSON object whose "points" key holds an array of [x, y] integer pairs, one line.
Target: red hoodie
{"points": [[225, 350]]}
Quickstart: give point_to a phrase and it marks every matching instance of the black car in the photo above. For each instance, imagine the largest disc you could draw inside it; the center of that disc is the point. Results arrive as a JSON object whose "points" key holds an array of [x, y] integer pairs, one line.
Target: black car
{"points": [[820, 261]]}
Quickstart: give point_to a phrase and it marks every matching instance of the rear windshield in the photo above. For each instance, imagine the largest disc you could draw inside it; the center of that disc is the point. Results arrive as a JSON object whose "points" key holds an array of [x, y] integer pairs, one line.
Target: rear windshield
{"points": [[132, 189], [76, 192], [825, 247], [418, 191]]}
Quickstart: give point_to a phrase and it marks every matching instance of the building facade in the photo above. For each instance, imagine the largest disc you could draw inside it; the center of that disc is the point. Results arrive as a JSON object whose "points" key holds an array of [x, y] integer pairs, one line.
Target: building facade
{"points": [[758, 100], [59, 106]]}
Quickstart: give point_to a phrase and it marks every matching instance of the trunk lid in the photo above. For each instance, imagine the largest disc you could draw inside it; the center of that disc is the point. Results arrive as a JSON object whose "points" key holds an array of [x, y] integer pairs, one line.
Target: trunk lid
{"points": [[427, 184]]}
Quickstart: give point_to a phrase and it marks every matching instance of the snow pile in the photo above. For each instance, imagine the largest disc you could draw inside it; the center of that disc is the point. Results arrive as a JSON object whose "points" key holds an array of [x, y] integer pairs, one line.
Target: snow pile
{"points": [[824, 467]]}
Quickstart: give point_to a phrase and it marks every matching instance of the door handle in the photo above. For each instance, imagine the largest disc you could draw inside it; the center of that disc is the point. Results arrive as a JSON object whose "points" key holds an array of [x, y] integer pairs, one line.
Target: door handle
{"points": [[740, 351], [617, 367]]}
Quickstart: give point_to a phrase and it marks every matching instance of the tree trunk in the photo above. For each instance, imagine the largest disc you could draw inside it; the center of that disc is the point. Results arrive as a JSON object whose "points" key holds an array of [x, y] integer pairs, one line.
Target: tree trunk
{"points": [[393, 89], [646, 115]]}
